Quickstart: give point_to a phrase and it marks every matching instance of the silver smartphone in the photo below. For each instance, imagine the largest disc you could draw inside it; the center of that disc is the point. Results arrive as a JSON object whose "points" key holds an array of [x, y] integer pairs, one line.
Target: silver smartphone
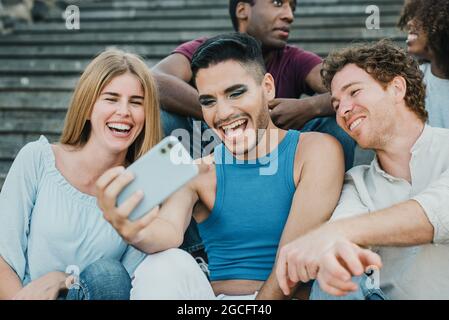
{"points": [[159, 173]]}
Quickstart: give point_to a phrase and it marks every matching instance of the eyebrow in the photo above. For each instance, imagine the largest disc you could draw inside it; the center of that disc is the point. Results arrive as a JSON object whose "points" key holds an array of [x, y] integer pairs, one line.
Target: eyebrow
{"points": [[235, 87], [117, 95], [333, 99], [227, 91]]}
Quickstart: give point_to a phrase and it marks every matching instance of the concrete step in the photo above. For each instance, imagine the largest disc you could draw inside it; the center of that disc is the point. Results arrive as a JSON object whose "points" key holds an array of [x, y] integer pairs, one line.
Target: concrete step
{"points": [[38, 83], [43, 67], [13, 142], [218, 25], [32, 101], [38, 121], [162, 14], [169, 37], [170, 4], [88, 51]]}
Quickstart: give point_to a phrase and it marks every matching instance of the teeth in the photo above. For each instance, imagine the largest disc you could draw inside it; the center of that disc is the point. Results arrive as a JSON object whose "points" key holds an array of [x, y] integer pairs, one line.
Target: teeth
{"points": [[119, 126], [412, 37], [355, 124], [233, 125]]}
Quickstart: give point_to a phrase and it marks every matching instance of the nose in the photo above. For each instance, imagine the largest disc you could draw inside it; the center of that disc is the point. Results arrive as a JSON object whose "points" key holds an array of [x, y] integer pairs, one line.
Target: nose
{"points": [[287, 13], [224, 110], [123, 108], [346, 106]]}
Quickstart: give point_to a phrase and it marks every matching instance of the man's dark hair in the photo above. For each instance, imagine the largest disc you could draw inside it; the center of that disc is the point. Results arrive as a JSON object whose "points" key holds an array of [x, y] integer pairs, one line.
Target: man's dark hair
{"points": [[433, 17], [384, 61], [239, 47], [232, 8]]}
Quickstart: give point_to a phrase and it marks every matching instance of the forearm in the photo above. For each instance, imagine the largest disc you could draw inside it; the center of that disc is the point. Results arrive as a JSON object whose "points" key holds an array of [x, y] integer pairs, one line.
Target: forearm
{"points": [[10, 283], [404, 224], [271, 290], [159, 236], [177, 96]]}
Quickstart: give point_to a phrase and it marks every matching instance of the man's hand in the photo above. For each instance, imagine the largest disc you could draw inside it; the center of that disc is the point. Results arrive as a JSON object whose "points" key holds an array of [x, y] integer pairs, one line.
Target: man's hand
{"points": [[325, 255], [109, 185], [44, 288], [291, 113]]}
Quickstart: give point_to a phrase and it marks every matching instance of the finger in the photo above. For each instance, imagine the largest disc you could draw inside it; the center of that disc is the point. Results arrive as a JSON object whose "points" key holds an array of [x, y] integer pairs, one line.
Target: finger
{"points": [[281, 271], [292, 269], [333, 267], [149, 217], [328, 288], [108, 177], [116, 186], [127, 230], [369, 258], [312, 270], [350, 257], [273, 103], [125, 209], [290, 283], [131, 230], [302, 274], [342, 285], [144, 222]]}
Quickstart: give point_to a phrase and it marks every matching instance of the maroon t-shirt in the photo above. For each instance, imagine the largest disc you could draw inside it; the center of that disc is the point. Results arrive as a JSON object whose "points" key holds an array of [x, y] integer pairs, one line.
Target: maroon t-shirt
{"points": [[289, 67]]}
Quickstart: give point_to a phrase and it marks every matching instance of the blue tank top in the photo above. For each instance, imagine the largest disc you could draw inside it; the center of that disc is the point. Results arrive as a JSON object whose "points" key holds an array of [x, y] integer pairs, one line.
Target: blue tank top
{"points": [[253, 200]]}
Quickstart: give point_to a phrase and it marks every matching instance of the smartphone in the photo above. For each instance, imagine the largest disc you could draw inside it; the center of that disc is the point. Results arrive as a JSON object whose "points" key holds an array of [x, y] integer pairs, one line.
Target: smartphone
{"points": [[159, 173]]}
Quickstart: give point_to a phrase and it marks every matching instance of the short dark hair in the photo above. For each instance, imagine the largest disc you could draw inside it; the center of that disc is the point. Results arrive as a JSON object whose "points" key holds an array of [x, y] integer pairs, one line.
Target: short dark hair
{"points": [[239, 47], [433, 17], [384, 61], [232, 8]]}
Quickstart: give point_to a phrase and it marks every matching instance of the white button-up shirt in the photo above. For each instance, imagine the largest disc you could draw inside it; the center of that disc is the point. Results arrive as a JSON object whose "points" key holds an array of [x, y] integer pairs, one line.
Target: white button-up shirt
{"points": [[419, 272]]}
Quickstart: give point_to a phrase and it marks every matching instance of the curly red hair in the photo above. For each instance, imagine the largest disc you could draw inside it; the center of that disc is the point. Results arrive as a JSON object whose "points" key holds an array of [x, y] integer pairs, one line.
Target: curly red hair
{"points": [[384, 61]]}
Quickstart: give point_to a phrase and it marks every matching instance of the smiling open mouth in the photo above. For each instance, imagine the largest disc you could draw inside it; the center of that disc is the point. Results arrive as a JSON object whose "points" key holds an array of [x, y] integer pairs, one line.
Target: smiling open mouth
{"points": [[411, 38], [119, 128], [355, 124], [235, 128]]}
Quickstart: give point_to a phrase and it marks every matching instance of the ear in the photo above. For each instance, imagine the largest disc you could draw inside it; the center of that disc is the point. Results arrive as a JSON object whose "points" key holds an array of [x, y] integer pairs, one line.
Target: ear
{"points": [[242, 12], [269, 87], [399, 87]]}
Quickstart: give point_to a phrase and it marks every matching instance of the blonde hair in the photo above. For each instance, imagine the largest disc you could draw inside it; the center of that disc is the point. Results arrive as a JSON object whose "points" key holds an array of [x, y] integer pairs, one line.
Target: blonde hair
{"points": [[106, 66]]}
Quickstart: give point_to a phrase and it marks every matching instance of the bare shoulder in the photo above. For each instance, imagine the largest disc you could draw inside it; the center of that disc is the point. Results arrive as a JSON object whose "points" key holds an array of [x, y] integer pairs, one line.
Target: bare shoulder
{"points": [[313, 144]]}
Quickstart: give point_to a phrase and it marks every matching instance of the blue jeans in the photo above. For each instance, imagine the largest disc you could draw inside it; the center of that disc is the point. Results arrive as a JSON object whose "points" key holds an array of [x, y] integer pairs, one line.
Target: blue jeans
{"points": [[105, 279], [172, 122], [363, 292]]}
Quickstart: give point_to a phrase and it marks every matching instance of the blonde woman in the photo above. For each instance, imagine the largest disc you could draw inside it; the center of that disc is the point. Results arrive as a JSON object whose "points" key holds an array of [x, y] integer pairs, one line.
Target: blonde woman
{"points": [[49, 220]]}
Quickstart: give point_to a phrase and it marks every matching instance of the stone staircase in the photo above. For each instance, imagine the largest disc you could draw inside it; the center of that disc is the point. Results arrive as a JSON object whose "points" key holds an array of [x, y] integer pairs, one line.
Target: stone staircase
{"points": [[40, 63]]}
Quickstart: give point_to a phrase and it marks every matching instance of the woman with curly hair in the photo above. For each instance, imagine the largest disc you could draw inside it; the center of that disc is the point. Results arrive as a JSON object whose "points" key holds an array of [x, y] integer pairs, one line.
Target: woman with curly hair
{"points": [[427, 24]]}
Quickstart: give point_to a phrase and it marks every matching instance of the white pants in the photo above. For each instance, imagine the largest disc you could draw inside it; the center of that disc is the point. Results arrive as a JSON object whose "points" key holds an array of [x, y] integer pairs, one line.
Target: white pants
{"points": [[174, 275]]}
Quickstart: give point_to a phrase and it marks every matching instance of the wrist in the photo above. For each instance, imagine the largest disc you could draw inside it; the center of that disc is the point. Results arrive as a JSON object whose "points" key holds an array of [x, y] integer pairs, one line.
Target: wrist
{"points": [[343, 230], [322, 106]]}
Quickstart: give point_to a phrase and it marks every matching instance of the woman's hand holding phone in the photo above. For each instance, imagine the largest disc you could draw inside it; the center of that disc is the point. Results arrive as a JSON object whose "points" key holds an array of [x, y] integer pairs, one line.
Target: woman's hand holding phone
{"points": [[108, 186]]}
